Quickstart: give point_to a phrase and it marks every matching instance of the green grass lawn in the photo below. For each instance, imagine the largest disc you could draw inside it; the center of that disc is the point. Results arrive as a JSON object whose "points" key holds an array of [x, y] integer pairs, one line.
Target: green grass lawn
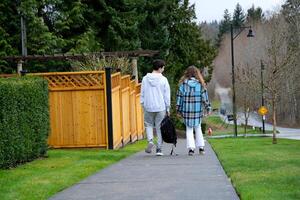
{"points": [[260, 169], [215, 104], [45, 177], [220, 128]]}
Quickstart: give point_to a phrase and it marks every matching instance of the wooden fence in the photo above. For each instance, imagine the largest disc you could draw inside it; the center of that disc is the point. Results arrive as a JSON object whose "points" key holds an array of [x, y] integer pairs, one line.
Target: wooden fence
{"points": [[78, 109]]}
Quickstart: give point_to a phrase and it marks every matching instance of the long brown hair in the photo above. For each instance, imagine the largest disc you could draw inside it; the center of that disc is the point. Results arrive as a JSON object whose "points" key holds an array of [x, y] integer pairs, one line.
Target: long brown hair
{"points": [[190, 72]]}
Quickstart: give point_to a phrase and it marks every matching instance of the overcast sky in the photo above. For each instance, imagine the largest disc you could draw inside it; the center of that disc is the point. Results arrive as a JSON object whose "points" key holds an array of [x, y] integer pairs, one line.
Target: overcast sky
{"points": [[208, 10]]}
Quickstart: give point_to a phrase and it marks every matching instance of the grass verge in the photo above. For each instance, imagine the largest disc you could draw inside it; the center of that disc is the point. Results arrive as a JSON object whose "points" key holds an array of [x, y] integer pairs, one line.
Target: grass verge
{"points": [[220, 128], [43, 178], [260, 169]]}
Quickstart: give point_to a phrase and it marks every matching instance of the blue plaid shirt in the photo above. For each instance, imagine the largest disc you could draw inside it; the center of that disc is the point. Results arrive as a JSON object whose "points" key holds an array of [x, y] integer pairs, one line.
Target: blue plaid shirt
{"points": [[191, 96]]}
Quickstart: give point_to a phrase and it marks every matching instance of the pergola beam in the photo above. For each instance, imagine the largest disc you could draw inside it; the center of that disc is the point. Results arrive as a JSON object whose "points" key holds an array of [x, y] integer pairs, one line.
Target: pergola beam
{"points": [[137, 53]]}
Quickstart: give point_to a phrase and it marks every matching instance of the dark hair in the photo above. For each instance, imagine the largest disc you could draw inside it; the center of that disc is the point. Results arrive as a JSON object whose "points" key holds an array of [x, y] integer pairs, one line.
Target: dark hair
{"points": [[158, 64]]}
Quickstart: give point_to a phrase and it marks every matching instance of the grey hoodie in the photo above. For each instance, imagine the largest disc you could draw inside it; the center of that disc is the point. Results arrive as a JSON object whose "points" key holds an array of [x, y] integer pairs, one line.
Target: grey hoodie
{"points": [[155, 93]]}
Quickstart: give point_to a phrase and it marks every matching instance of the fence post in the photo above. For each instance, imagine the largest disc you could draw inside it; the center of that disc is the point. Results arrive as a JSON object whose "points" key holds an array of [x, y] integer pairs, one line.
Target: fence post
{"points": [[19, 66], [135, 69], [109, 108]]}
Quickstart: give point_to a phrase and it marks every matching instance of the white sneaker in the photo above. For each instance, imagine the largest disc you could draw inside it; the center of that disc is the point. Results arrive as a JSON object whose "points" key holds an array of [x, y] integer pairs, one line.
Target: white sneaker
{"points": [[149, 147], [158, 152], [201, 151]]}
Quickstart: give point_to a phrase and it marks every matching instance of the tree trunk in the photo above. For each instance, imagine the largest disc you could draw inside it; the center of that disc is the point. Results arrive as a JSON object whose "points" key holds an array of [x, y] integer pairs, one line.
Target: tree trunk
{"points": [[274, 141], [294, 110], [246, 125], [245, 115]]}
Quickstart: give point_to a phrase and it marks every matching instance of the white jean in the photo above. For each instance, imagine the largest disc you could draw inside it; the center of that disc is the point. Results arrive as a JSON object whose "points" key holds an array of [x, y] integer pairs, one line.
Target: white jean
{"points": [[151, 120], [190, 141]]}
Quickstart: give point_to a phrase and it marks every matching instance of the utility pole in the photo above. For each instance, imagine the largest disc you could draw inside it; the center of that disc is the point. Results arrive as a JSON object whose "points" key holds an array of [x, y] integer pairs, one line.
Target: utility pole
{"points": [[262, 93], [24, 43], [23, 36], [233, 82], [250, 34]]}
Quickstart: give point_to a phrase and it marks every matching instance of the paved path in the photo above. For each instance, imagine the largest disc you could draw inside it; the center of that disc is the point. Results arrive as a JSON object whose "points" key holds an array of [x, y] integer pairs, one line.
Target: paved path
{"points": [[146, 176]]}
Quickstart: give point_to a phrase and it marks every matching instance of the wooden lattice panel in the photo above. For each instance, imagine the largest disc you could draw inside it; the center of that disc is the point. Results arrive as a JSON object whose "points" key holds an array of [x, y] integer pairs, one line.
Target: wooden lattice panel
{"points": [[75, 80]]}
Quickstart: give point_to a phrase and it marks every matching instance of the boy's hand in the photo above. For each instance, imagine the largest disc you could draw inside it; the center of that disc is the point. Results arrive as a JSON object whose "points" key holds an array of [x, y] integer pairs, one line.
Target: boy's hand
{"points": [[167, 113]]}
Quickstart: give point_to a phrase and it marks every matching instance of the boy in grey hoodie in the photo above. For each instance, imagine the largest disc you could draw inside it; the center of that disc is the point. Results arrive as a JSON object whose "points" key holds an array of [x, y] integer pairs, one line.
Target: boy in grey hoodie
{"points": [[155, 100]]}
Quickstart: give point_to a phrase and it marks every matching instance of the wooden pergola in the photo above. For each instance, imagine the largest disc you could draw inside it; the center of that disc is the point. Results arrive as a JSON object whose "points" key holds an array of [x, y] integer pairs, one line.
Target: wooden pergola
{"points": [[133, 55]]}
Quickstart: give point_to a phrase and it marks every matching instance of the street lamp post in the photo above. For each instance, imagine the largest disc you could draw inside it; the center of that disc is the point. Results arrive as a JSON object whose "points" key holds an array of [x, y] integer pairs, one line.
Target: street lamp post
{"points": [[250, 34], [262, 93]]}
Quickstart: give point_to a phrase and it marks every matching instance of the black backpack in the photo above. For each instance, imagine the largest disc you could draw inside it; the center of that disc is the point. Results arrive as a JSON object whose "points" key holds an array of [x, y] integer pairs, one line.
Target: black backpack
{"points": [[168, 132]]}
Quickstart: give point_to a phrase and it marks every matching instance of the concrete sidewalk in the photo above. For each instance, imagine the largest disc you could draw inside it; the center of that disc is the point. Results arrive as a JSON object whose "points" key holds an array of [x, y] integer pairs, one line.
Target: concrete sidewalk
{"points": [[146, 176]]}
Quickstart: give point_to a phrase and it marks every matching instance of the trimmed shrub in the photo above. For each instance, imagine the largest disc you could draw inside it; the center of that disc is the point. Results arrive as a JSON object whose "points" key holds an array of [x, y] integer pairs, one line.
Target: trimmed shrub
{"points": [[24, 119]]}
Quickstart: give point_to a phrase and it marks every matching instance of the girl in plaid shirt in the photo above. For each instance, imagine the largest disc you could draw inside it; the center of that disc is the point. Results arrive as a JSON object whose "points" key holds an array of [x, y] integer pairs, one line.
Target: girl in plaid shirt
{"points": [[191, 98]]}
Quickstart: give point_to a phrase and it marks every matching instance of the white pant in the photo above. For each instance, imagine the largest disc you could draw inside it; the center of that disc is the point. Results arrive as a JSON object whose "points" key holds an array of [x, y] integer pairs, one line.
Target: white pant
{"points": [[190, 141]]}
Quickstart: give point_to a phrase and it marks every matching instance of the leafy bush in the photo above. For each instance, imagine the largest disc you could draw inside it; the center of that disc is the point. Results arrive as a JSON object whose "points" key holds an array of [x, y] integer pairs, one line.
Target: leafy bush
{"points": [[24, 120]]}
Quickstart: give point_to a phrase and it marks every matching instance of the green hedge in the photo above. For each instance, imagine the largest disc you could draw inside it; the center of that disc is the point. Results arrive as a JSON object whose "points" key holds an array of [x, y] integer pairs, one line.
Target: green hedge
{"points": [[24, 119]]}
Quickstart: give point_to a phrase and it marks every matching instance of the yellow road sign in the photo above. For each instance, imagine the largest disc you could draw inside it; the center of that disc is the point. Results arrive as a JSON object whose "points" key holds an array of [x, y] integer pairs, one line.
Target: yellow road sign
{"points": [[263, 110]]}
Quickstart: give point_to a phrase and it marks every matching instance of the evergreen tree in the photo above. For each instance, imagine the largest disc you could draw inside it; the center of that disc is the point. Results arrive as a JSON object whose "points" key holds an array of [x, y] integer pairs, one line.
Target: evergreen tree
{"points": [[9, 26], [238, 18], [254, 14], [77, 26], [291, 12], [153, 30], [116, 23], [224, 25], [68, 22], [39, 39], [187, 46]]}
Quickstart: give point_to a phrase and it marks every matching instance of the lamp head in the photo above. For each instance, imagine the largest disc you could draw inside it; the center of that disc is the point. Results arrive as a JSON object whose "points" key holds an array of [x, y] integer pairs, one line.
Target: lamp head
{"points": [[250, 33]]}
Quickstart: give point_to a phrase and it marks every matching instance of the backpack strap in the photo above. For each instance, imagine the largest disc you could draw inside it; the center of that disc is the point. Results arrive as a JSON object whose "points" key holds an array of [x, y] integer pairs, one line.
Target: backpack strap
{"points": [[173, 150]]}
